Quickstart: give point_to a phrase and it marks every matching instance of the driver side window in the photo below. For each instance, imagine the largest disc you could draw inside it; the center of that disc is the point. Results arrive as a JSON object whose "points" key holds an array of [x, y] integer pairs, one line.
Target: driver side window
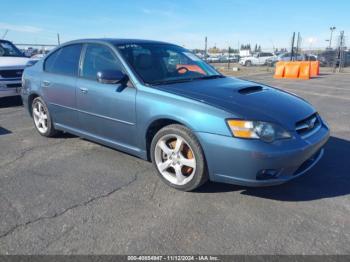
{"points": [[98, 58]]}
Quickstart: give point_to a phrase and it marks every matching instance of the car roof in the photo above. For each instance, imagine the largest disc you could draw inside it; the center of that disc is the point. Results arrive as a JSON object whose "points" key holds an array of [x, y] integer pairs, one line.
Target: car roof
{"points": [[117, 41]]}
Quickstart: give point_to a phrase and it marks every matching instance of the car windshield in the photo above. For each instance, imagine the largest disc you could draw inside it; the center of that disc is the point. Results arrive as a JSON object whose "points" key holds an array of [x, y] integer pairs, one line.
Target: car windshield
{"points": [[158, 64], [8, 49]]}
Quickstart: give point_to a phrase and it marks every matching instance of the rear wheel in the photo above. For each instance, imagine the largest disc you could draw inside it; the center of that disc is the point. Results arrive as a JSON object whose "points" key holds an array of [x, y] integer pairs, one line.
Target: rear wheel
{"points": [[178, 157], [42, 119]]}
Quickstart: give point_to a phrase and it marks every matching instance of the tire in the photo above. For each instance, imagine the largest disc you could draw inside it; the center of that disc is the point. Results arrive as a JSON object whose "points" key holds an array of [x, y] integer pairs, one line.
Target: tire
{"points": [[42, 119], [248, 63], [170, 159]]}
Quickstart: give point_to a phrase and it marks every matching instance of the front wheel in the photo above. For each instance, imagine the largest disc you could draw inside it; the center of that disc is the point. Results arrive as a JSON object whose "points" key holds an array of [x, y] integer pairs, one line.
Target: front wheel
{"points": [[178, 157], [248, 63], [42, 119]]}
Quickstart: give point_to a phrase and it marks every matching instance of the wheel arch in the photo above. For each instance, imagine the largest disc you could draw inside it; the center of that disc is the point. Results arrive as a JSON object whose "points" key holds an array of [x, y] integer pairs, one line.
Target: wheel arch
{"points": [[31, 98], [248, 62], [157, 124]]}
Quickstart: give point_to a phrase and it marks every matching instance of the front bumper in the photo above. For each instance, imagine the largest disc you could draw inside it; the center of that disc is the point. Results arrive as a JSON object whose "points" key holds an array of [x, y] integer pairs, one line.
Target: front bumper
{"points": [[239, 161], [10, 87]]}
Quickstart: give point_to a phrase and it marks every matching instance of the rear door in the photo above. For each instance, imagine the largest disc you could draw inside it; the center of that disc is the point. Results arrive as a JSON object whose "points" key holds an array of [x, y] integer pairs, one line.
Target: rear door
{"points": [[263, 57], [105, 110], [58, 84]]}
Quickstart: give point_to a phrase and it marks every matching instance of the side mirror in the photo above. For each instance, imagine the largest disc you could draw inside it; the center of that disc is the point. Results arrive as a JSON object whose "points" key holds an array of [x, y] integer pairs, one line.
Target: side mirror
{"points": [[111, 77]]}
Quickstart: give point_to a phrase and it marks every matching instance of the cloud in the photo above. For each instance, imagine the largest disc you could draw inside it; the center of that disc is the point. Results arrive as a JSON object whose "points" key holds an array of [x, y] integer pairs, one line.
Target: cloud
{"points": [[20, 28]]}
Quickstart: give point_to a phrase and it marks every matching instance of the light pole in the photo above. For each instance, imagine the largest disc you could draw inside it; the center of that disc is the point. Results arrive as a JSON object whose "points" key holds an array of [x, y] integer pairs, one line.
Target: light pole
{"points": [[205, 48], [332, 28]]}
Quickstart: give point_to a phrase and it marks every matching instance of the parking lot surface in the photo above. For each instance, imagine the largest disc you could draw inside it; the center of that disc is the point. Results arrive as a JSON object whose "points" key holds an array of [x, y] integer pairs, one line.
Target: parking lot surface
{"points": [[66, 195]]}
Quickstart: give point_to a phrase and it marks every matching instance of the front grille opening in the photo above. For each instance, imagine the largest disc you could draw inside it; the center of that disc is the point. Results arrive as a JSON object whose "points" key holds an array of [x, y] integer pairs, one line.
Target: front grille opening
{"points": [[13, 85], [307, 125], [14, 73], [250, 90], [266, 174]]}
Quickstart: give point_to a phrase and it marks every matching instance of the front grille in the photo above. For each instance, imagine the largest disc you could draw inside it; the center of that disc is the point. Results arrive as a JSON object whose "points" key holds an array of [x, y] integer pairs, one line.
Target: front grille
{"points": [[308, 125], [13, 85], [14, 73]]}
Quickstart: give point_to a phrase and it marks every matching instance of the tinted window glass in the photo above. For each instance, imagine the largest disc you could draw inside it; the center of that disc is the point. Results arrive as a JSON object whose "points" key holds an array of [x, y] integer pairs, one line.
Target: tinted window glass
{"points": [[64, 61], [98, 58], [50, 61], [165, 63]]}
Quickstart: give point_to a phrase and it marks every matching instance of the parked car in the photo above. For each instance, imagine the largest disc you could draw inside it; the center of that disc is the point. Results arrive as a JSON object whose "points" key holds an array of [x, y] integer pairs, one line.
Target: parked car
{"points": [[213, 59], [38, 56], [12, 63], [284, 57], [193, 123], [310, 57], [231, 58], [257, 59]]}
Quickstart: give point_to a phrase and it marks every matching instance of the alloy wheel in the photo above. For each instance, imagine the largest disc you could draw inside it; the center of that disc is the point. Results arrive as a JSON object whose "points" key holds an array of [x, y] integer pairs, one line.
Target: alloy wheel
{"points": [[175, 159], [40, 117]]}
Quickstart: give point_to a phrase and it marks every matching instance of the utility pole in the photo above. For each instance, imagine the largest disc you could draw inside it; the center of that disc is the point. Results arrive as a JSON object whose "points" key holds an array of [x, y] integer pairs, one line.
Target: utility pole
{"points": [[292, 49], [332, 28], [205, 48], [58, 39], [340, 55], [298, 45], [229, 51]]}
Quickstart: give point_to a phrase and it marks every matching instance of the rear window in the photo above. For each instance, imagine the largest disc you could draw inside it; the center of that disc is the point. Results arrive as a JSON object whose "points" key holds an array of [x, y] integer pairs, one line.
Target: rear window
{"points": [[64, 61]]}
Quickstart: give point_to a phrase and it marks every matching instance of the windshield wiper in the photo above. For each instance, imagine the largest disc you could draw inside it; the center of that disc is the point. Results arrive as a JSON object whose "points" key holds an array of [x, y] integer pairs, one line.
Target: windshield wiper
{"points": [[210, 77], [166, 82], [174, 81]]}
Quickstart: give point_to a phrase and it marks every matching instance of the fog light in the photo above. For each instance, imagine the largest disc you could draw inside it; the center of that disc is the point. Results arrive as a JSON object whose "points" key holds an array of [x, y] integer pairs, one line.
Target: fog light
{"points": [[267, 174]]}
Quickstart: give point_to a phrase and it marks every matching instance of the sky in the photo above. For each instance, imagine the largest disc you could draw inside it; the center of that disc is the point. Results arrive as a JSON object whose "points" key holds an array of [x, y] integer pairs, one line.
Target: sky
{"points": [[268, 23]]}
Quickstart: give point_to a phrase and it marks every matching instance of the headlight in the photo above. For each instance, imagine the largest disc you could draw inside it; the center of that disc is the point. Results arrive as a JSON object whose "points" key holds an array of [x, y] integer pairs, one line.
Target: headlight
{"points": [[264, 131]]}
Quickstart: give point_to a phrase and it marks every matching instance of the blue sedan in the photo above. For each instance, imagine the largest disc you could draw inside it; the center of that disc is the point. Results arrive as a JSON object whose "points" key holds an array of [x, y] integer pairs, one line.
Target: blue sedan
{"points": [[160, 102]]}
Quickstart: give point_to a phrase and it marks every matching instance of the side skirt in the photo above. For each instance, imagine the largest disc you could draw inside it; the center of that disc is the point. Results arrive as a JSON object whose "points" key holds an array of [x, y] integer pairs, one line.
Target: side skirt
{"points": [[107, 142]]}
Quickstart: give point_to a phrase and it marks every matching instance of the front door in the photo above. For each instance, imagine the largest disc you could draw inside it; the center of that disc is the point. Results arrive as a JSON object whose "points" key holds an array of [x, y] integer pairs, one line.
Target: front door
{"points": [[106, 111]]}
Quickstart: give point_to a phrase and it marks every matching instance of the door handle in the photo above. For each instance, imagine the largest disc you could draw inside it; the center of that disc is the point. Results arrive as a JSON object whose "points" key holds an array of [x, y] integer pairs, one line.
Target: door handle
{"points": [[45, 83], [83, 90]]}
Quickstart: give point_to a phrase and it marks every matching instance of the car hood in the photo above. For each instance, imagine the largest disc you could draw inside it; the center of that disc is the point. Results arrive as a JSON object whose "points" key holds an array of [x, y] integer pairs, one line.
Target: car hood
{"points": [[15, 62], [246, 100]]}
